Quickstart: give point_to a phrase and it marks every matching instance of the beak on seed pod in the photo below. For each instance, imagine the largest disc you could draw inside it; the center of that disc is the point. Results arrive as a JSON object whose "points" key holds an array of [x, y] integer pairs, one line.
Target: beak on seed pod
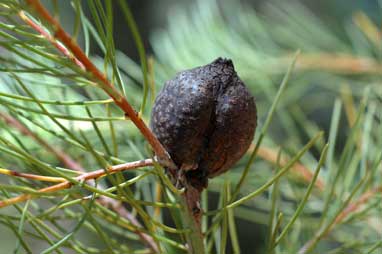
{"points": [[206, 119]]}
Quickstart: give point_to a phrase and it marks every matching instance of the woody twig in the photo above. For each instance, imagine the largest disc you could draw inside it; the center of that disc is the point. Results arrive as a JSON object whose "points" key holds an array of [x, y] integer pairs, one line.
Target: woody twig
{"points": [[63, 37], [72, 164]]}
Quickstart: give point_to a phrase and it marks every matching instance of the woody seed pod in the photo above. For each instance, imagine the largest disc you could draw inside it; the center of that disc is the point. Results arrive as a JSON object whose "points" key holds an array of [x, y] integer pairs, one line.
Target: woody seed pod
{"points": [[206, 119]]}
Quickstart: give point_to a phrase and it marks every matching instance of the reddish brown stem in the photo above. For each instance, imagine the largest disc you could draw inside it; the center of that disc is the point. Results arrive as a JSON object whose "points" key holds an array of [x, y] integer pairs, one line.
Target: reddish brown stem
{"points": [[108, 87], [81, 60], [50, 38]]}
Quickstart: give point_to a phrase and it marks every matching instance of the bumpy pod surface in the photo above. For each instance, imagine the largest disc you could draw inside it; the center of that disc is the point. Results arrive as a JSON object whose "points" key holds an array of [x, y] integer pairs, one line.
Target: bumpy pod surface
{"points": [[206, 119]]}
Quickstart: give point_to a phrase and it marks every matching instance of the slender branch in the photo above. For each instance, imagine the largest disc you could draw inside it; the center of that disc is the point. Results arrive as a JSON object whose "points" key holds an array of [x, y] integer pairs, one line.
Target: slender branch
{"points": [[50, 38], [270, 155], [51, 179], [70, 163], [193, 197], [83, 177], [192, 219], [119, 100], [100, 78], [191, 211]]}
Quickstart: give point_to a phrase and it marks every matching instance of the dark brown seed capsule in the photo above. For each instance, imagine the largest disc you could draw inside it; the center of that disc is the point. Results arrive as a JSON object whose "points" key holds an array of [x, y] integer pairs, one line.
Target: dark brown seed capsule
{"points": [[206, 118]]}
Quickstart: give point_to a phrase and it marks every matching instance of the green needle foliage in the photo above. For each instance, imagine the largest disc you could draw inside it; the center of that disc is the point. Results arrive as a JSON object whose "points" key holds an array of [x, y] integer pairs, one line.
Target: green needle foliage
{"points": [[311, 182]]}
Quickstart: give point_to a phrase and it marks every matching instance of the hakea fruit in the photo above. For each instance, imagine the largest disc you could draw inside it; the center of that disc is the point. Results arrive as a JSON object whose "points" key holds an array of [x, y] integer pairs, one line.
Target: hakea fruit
{"points": [[206, 119]]}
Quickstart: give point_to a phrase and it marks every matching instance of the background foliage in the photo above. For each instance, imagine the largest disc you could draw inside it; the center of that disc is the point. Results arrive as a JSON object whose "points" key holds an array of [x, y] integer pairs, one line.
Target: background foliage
{"points": [[335, 86]]}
